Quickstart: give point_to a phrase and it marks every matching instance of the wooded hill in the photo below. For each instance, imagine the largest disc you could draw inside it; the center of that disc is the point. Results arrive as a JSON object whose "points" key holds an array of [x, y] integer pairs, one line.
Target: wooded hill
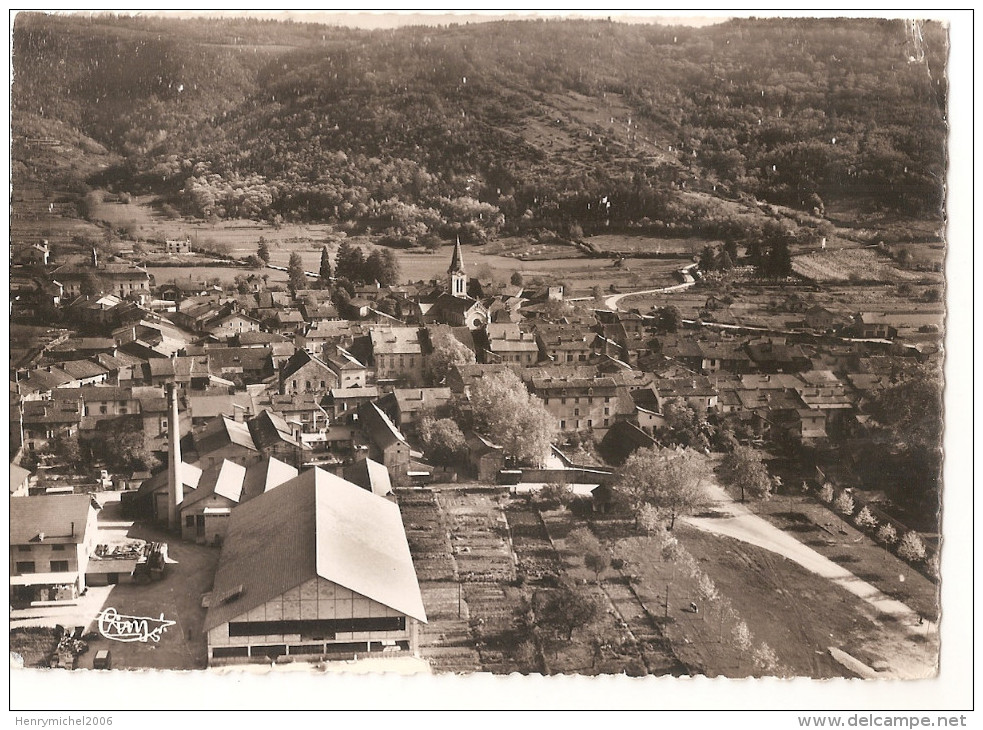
{"points": [[476, 128]]}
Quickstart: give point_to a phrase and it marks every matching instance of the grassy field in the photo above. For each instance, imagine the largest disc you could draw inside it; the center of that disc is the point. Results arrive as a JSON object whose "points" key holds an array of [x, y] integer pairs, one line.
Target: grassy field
{"points": [[35, 645], [497, 260], [851, 264]]}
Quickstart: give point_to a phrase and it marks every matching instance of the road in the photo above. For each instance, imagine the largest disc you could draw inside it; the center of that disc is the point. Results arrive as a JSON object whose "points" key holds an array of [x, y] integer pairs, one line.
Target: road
{"points": [[912, 659], [611, 302]]}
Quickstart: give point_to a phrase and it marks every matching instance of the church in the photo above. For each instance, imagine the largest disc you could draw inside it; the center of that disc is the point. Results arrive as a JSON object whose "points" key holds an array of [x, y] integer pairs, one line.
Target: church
{"points": [[454, 307]]}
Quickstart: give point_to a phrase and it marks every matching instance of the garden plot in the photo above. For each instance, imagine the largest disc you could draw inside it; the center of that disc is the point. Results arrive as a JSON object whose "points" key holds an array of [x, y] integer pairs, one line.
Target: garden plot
{"points": [[535, 554], [479, 537], [427, 535]]}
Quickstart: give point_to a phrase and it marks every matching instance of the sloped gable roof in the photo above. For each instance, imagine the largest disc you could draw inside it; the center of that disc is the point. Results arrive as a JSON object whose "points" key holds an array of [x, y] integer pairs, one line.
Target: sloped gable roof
{"points": [[54, 516], [315, 525]]}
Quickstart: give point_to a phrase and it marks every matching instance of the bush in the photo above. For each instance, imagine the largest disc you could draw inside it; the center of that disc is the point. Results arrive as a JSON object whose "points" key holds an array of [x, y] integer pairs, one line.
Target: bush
{"points": [[826, 494], [911, 548], [844, 504], [887, 534], [708, 591], [649, 519], [865, 520]]}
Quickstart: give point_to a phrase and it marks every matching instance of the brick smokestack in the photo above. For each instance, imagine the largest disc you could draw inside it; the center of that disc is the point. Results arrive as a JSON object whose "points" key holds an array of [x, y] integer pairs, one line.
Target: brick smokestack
{"points": [[175, 488]]}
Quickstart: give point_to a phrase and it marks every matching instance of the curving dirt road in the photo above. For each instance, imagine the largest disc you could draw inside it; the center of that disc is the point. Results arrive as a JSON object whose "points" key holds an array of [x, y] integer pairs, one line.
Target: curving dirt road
{"points": [[611, 302], [910, 659]]}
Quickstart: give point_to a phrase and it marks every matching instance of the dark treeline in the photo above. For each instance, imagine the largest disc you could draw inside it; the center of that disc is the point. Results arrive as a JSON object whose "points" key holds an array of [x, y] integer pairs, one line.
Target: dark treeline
{"points": [[419, 131]]}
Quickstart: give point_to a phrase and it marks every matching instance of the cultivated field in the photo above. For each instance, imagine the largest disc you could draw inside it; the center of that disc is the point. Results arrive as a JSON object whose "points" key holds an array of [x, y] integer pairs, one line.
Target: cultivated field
{"points": [[851, 264]]}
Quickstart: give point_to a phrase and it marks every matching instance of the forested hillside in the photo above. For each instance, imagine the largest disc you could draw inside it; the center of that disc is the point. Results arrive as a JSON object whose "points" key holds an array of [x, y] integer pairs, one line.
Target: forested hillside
{"points": [[480, 128]]}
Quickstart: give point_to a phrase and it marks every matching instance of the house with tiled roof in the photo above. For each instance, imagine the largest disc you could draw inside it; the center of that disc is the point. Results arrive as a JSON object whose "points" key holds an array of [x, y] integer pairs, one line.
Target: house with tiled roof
{"points": [[351, 373], [225, 438], [306, 373], [386, 443], [51, 539], [508, 343], [578, 403], [397, 355], [120, 278]]}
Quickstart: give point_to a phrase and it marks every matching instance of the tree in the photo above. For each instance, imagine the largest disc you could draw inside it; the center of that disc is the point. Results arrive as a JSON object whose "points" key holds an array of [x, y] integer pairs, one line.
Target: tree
{"points": [[743, 469], [350, 262], [65, 446], [887, 534], [514, 419], [431, 243], [447, 351], [296, 279], [516, 279], [92, 285], [382, 266], [708, 259], [865, 519], [563, 609], [844, 504], [910, 414], [671, 480], [263, 250], [826, 494], [597, 561], [126, 451], [670, 318], [596, 558], [241, 284], [324, 272], [911, 548], [778, 265], [553, 495], [682, 423], [442, 439]]}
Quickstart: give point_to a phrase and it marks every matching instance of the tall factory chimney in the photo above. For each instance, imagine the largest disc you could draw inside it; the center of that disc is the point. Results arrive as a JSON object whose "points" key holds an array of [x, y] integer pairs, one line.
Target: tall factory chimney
{"points": [[175, 488]]}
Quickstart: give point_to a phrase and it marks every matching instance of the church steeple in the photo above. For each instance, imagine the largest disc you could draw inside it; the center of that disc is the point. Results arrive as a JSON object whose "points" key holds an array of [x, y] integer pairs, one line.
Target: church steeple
{"points": [[458, 280]]}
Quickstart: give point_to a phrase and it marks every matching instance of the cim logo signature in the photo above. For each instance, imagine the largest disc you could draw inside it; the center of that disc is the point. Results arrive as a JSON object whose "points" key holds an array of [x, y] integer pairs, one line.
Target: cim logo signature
{"points": [[118, 627]]}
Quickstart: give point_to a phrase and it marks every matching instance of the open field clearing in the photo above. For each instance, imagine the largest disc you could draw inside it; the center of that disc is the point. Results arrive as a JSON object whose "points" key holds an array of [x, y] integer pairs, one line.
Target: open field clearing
{"points": [[845, 265], [682, 247]]}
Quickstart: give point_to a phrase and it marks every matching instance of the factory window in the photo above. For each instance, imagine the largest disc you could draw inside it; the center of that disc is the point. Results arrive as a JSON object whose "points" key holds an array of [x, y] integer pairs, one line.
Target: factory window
{"points": [[23, 548], [189, 521], [25, 567], [221, 652], [59, 566], [58, 548], [317, 627], [563, 425]]}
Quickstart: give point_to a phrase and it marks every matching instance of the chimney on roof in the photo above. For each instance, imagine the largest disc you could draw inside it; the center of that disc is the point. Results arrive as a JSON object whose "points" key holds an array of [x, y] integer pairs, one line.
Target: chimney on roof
{"points": [[175, 488]]}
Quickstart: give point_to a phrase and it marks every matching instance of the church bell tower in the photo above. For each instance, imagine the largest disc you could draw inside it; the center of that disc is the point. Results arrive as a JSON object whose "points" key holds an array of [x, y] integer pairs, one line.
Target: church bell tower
{"points": [[458, 280]]}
